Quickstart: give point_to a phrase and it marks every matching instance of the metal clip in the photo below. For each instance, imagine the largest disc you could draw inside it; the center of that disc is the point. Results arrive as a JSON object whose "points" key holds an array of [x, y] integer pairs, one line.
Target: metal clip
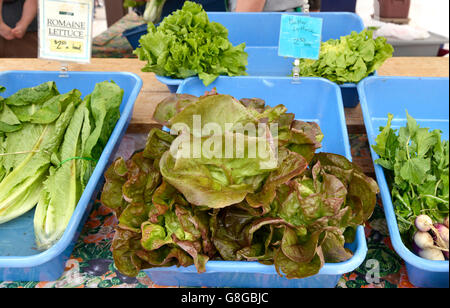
{"points": [[296, 71], [63, 71], [296, 68]]}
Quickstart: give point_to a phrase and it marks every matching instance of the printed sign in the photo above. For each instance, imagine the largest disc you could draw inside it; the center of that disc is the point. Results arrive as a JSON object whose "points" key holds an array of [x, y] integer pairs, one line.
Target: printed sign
{"points": [[300, 37], [65, 30]]}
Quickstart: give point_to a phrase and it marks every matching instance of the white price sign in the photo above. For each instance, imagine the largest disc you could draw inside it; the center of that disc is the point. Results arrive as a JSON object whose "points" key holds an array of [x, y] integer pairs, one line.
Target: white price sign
{"points": [[65, 30]]}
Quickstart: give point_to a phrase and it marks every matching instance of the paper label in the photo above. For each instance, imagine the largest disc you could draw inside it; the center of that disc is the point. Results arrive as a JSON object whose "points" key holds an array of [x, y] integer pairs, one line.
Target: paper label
{"points": [[300, 37], [65, 30]]}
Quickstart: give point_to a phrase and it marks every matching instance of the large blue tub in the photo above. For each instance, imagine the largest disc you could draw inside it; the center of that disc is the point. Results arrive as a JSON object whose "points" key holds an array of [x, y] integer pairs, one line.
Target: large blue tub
{"points": [[19, 258], [312, 99], [426, 100], [261, 32]]}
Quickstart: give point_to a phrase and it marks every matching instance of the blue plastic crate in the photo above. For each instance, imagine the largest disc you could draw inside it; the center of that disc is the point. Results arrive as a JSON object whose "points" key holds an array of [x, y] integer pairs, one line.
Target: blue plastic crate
{"points": [[260, 32], [19, 259], [313, 99], [263, 29], [134, 34], [426, 99]]}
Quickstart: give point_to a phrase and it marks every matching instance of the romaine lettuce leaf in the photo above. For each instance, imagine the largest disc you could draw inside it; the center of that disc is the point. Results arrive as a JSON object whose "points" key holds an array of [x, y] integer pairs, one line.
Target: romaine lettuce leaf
{"points": [[79, 150], [20, 188], [62, 189]]}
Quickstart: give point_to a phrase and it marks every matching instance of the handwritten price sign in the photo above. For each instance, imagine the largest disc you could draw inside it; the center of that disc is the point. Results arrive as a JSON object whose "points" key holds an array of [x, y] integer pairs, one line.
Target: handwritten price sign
{"points": [[66, 46], [300, 37]]}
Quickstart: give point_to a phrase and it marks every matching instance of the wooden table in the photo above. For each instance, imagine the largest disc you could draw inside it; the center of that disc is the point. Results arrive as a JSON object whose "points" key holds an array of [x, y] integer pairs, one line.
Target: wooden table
{"points": [[414, 67], [153, 91]]}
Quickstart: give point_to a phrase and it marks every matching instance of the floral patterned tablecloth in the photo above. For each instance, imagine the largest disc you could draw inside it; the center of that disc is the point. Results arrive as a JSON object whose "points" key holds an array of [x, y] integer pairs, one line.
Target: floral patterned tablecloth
{"points": [[111, 43], [91, 264]]}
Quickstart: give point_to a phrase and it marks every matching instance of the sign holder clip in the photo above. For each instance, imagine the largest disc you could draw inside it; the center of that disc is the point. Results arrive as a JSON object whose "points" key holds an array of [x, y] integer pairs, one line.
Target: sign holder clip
{"points": [[64, 70], [296, 68], [300, 38], [296, 71]]}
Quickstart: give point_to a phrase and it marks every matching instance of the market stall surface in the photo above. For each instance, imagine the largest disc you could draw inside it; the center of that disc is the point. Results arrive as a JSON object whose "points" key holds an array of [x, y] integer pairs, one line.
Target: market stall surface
{"points": [[91, 264]]}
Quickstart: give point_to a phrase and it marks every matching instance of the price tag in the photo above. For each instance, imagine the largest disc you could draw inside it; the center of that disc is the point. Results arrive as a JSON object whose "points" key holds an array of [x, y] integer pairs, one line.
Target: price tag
{"points": [[300, 37], [65, 30]]}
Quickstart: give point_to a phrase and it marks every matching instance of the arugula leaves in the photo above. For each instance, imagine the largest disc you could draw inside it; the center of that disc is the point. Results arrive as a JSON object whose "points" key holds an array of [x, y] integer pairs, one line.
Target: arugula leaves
{"points": [[417, 164]]}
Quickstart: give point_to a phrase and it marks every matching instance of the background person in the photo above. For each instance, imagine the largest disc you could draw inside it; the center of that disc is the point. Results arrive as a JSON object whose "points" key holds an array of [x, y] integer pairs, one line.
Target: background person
{"points": [[18, 29], [173, 5]]}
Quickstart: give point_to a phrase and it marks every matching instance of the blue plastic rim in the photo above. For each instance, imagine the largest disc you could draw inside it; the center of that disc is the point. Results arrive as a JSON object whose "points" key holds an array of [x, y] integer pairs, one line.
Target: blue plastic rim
{"points": [[311, 99], [19, 260], [260, 32], [241, 274], [426, 99]]}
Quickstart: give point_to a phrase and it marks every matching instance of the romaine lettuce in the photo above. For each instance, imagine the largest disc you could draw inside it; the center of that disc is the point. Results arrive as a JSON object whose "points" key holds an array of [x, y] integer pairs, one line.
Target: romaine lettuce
{"points": [[49, 145], [82, 145]]}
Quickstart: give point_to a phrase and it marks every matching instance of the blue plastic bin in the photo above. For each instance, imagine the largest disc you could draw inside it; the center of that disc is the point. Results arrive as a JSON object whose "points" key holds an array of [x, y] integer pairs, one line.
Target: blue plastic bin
{"points": [[313, 99], [260, 32], [263, 29], [426, 99], [134, 34], [338, 6], [19, 259]]}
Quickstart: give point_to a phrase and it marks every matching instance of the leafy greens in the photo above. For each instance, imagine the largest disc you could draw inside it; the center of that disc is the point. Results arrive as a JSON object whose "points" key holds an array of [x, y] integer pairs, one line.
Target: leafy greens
{"points": [[296, 215], [416, 161], [49, 143], [348, 59], [186, 44]]}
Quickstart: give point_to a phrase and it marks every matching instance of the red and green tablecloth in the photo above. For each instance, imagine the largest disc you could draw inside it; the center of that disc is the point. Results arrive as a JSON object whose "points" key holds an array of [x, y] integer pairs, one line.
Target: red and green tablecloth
{"points": [[91, 264]]}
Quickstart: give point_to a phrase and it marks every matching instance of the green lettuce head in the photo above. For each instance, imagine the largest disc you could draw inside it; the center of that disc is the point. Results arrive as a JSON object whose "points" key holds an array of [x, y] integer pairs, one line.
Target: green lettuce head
{"points": [[187, 44]]}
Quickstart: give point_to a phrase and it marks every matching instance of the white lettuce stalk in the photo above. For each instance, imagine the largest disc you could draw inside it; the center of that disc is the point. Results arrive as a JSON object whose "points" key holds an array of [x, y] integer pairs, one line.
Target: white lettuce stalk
{"points": [[153, 11]]}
